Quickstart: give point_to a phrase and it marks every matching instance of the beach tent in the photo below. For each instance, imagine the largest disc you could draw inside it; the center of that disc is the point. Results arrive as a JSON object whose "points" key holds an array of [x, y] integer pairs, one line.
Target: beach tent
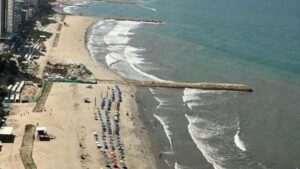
{"points": [[42, 134], [6, 134], [6, 131], [41, 130]]}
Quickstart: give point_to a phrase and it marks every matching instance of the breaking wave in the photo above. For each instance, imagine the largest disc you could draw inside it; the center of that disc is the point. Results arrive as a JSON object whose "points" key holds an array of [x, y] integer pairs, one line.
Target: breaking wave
{"points": [[75, 5], [111, 38], [199, 136], [164, 122], [237, 140], [192, 97]]}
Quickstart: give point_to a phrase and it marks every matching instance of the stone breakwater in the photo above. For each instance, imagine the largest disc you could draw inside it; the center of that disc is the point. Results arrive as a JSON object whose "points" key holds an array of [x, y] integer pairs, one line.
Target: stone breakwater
{"points": [[150, 21], [180, 85]]}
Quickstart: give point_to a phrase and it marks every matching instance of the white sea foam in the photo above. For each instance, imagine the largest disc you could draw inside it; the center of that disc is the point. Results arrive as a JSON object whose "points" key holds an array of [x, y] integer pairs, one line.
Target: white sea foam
{"points": [[76, 4], [149, 8], [164, 122], [178, 166], [193, 104], [237, 140], [69, 9], [120, 33], [168, 163], [193, 94], [112, 58], [208, 128], [192, 97], [132, 57], [199, 136], [117, 43], [189, 91], [94, 37], [99, 27], [112, 38], [115, 37], [154, 91], [161, 102], [116, 48]]}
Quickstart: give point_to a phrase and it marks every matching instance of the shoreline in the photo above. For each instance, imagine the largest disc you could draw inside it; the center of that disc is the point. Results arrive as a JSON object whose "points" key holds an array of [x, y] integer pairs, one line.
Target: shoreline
{"points": [[133, 103], [138, 117], [133, 106]]}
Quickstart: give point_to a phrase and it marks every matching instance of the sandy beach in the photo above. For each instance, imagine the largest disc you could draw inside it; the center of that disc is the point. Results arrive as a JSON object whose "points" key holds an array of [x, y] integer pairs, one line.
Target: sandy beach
{"points": [[69, 118]]}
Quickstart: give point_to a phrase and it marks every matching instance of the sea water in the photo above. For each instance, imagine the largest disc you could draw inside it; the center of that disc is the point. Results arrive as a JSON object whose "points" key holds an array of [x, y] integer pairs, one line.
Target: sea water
{"points": [[255, 42]]}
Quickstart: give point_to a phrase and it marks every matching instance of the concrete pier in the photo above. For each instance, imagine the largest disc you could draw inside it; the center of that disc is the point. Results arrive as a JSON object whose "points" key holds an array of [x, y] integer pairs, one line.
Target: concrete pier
{"points": [[180, 85]]}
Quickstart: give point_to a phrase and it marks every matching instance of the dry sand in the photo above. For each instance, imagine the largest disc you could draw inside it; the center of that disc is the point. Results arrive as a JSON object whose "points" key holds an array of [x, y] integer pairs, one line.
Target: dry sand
{"points": [[71, 120]]}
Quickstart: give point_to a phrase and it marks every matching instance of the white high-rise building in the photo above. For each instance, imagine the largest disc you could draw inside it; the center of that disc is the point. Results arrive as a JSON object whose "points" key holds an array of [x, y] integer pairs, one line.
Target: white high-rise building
{"points": [[11, 27], [7, 17]]}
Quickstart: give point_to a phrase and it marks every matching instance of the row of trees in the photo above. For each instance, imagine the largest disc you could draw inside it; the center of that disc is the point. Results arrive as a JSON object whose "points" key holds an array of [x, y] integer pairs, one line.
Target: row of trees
{"points": [[8, 70], [8, 65]]}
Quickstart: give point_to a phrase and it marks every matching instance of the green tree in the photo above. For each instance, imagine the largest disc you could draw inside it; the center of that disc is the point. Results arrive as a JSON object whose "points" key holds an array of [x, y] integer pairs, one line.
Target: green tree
{"points": [[2, 92], [10, 80], [3, 64], [21, 59], [6, 56], [13, 68]]}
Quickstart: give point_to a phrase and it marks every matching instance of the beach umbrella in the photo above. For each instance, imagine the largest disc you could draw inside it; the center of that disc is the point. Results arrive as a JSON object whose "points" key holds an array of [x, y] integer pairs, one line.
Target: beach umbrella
{"points": [[116, 165]]}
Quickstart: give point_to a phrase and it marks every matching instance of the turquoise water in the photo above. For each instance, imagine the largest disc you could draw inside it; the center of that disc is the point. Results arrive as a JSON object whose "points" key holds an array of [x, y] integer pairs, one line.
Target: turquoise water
{"points": [[262, 33], [253, 42]]}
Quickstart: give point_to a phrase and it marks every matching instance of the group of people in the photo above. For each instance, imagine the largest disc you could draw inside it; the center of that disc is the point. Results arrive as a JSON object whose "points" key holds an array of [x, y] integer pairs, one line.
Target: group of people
{"points": [[117, 94], [113, 148]]}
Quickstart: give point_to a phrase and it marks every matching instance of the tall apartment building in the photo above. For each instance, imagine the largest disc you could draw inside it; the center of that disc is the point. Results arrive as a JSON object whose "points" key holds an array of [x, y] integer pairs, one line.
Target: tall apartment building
{"points": [[7, 17], [11, 27], [2, 17]]}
